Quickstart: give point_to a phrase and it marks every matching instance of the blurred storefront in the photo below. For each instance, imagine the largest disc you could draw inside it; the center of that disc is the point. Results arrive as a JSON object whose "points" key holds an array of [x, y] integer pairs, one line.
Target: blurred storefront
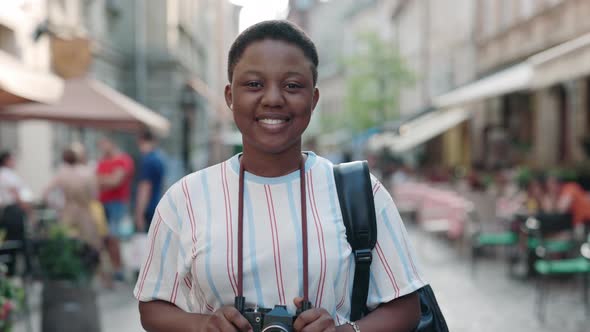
{"points": [[527, 101]]}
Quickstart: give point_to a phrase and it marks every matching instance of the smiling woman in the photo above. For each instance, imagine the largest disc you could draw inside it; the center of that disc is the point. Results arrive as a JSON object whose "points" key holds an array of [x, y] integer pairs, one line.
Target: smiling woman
{"points": [[264, 228]]}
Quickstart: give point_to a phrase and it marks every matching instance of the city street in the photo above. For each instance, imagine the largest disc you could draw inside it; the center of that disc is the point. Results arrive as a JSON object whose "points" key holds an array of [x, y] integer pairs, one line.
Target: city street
{"points": [[487, 302], [118, 311], [490, 301]]}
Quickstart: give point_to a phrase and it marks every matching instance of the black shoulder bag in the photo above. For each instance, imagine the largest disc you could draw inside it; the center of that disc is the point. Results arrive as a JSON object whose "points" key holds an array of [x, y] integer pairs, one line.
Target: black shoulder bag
{"points": [[355, 194]]}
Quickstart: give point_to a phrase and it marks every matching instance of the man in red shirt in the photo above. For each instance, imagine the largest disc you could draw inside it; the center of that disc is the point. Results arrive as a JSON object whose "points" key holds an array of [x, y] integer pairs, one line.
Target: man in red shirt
{"points": [[114, 174]]}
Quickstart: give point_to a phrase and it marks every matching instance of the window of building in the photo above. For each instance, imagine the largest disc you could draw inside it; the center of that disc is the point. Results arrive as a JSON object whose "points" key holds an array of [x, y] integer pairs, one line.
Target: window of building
{"points": [[488, 17], [527, 8], [507, 12], [8, 41]]}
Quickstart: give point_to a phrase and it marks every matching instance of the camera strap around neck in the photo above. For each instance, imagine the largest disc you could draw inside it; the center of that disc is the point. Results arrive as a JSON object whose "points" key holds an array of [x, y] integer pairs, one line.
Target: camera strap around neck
{"points": [[240, 300]]}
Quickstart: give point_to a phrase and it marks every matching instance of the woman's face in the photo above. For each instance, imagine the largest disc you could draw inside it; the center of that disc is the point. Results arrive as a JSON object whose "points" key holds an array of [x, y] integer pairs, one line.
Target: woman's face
{"points": [[272, 96]]}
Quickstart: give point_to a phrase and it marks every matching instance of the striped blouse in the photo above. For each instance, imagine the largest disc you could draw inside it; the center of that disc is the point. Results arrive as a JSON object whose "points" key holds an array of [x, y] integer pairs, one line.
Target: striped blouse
{"points": [[192, 254]]}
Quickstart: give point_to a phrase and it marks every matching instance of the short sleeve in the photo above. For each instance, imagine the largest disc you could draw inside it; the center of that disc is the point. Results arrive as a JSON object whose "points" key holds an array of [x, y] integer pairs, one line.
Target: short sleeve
{"points": [[164, 274], [147, 170], [394, 270]]}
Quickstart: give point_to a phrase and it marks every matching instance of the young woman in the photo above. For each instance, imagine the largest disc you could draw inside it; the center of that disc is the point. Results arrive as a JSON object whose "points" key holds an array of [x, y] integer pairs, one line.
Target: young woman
{"points": [[191, 277]]}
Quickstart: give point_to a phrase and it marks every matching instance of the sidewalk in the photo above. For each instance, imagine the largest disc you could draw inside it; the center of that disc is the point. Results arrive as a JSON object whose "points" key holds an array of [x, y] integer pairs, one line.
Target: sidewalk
{"points": [[118, 310], [490, 301]]}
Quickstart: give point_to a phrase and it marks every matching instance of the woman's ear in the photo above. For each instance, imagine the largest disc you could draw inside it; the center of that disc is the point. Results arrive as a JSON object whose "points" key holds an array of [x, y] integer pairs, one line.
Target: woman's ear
{"points": [[316, 98], [228, 96]]}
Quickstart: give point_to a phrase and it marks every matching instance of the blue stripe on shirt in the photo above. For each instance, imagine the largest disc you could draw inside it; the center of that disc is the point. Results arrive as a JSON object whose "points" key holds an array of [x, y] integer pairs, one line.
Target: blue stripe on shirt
{"points": [[252, 243], [207, 250], [296, 220], [375, 286], [178, 221], [162, 263], [396, 242], [337, 221]]}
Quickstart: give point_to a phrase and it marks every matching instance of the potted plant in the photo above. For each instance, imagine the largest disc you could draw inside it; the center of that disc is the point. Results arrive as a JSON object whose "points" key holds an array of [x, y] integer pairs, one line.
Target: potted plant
{"points": [[68, 299], [11, 300]]}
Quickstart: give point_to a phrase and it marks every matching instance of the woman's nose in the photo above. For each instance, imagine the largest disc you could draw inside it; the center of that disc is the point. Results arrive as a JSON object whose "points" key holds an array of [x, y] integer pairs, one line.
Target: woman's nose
{"points": [[273, 97]]}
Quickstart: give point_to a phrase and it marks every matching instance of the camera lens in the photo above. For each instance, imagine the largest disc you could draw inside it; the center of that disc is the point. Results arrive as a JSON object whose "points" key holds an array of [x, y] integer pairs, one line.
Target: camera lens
{"points": [[276, 327]]}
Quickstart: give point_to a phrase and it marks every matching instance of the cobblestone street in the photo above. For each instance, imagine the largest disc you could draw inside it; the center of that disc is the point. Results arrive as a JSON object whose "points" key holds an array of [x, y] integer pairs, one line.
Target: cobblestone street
{"points": [[490, 300]]}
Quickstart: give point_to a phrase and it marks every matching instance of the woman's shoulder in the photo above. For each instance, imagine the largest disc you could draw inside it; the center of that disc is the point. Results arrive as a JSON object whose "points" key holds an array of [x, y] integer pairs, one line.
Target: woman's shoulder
{"points": [[195, 178]]}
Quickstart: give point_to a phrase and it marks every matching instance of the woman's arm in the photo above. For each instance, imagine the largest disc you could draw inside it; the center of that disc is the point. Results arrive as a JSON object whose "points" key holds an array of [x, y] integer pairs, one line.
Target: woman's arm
{"points": [[161, 316], [399, 315]]}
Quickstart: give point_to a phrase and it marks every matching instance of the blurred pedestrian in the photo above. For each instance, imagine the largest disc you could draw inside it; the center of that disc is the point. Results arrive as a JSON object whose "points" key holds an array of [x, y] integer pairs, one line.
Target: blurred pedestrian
{"points": [[151, 177], [15, 199], [569, 197], [115, 173], [78, 187]]}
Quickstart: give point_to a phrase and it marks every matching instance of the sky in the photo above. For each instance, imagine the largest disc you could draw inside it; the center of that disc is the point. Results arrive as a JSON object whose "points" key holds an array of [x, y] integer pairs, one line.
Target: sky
{"points": [[254, 11]]}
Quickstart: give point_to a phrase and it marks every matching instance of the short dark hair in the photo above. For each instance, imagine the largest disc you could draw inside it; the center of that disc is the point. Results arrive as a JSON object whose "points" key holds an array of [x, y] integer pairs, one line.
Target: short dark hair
{"points": [[4, 156], [69, 156], [275, 30], [147, 135]]}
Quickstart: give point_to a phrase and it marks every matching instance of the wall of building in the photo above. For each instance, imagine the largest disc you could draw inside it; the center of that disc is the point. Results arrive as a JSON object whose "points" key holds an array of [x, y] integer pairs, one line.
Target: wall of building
{"points": [[31, 141], [509, 31]]}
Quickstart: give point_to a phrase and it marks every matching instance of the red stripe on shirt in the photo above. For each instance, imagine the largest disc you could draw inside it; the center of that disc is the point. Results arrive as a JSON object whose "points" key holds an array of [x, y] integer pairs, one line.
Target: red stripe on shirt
{"points": [[148, 262], [321, 243], [276, 234], [191, 216], [274, 245], [187, 282], [174, 289], [376, 187], [229, 246], [200, 291], [230, 226], [387, 268], [344, 292]]}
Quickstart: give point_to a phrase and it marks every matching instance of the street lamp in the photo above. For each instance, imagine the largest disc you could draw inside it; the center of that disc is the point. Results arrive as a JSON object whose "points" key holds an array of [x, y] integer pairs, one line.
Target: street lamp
{"points": [[188, 105]]}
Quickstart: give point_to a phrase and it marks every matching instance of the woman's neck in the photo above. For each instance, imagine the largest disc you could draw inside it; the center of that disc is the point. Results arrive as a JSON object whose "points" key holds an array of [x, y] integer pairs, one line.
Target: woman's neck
{"points": [[272, 165]]}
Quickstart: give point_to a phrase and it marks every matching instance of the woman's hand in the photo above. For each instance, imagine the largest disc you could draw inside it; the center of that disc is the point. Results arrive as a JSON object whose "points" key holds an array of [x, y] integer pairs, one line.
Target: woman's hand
{"points": [[313, 320], [227, 318]]}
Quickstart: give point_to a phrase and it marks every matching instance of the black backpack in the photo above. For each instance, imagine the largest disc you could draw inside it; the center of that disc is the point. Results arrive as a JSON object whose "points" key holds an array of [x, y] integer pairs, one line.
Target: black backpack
{"points": [[355, 194]]}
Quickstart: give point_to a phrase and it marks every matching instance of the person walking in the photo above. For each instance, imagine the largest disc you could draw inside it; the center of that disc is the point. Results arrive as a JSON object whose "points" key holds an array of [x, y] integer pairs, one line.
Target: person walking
{"points": [[151, 177], [265, 205], [114, 173], [15, 199], [78, 188]]}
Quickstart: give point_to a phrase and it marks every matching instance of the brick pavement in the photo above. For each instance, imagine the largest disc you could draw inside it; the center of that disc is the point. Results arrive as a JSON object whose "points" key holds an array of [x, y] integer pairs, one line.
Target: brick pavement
{"points": [[490, 301]]}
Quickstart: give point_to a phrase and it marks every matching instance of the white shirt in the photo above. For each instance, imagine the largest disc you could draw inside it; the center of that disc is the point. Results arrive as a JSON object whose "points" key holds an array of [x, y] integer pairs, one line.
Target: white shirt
{"points": [[9, 183], [192, 254]]}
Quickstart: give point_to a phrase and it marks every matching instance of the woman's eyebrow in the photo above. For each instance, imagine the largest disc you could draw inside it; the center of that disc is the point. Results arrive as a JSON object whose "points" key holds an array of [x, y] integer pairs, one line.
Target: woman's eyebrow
{"points": [[294, 73], [252, 72]]}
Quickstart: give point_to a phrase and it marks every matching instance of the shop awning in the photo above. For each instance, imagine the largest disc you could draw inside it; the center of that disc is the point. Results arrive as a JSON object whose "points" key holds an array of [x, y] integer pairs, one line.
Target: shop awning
{"points": [[89, 103], [20, 84], [516, 78], [567, 61], [560, 63], [419, 130]]}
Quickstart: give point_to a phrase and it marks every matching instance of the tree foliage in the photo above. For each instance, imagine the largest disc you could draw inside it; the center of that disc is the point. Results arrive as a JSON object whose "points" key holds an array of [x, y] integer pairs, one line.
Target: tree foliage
{"points": [[375, 74]]}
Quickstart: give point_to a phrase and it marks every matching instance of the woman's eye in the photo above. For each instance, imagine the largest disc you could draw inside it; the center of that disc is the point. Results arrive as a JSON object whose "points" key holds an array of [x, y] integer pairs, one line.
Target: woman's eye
{"points": [[253, 84], [293, 86]]}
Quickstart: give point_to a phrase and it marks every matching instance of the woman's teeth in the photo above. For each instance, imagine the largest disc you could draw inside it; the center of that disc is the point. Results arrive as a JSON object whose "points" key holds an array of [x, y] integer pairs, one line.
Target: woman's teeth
{"points": [[272, 121]]}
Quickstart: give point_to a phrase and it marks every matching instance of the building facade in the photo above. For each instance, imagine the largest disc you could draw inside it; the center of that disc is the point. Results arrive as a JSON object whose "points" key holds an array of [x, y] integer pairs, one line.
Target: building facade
{"points": [[31, 141], [150, 50], [545, 122]]}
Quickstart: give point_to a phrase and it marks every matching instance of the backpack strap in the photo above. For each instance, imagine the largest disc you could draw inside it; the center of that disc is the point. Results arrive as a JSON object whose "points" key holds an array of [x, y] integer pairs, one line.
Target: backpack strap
{"points": [[355, 193]]}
